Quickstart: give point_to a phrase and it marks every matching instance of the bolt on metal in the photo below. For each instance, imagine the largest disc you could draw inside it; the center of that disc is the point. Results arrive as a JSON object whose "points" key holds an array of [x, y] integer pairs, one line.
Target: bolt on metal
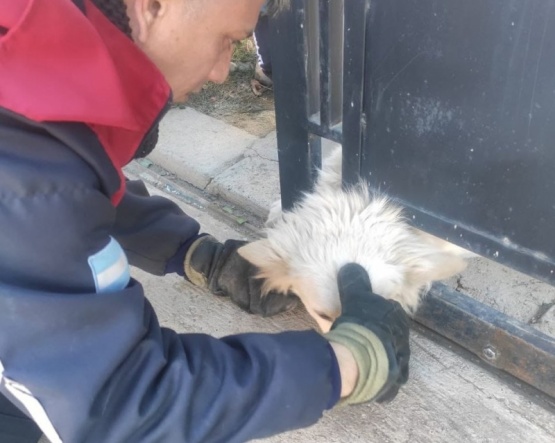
{"points": [[490, 353]]}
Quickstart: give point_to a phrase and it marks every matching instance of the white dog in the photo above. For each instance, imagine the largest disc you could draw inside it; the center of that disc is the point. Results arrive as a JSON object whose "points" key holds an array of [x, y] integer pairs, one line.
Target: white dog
{"points": [[304, 248]]}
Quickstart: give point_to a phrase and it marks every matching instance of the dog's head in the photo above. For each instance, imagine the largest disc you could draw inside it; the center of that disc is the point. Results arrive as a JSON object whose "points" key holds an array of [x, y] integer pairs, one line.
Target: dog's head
{"points": [[306, 247]]}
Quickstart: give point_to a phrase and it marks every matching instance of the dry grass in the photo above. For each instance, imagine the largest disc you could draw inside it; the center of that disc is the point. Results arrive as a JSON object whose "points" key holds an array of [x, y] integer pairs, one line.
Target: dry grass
{"points": [[245, 52], [233, 101]]}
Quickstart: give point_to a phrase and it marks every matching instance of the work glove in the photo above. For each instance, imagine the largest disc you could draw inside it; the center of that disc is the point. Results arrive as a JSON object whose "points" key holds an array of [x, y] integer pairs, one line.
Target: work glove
{"points": [[218, 267], [376, 331]]}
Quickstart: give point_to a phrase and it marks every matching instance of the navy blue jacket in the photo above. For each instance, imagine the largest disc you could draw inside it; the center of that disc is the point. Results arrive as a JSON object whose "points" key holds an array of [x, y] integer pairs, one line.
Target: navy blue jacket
{"points": [[81, 350]]}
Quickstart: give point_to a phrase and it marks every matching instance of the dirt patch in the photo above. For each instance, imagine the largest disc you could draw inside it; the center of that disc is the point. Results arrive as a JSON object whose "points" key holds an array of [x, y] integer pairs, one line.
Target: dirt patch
{"points": [[234, 101]]}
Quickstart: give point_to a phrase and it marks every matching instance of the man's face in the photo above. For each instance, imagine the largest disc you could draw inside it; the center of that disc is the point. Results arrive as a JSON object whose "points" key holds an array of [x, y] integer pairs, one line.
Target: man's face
{"points": [[191, 41]]}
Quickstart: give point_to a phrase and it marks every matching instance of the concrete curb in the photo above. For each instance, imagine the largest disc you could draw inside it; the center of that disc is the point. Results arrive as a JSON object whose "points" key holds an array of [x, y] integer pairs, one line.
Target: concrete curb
{"points": [[219, 158], [198, 147]]}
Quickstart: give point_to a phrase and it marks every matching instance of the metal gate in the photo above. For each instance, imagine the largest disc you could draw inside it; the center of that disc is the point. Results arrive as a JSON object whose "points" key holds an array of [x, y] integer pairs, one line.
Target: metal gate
{"points": [[448, 107]]}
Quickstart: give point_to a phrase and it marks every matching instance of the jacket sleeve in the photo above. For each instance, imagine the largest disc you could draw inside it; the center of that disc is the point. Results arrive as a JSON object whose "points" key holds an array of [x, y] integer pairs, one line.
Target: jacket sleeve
{"points": [[153, 231], [98, 368], [81, 350]]}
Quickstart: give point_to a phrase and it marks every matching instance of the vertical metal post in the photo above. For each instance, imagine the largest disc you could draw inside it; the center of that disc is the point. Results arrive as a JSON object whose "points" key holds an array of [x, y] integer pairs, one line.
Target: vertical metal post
{"points": [[325, 74], [312, 53], [356, 18], [290, 86], [312, 56], [336, 40], [330, 65]]}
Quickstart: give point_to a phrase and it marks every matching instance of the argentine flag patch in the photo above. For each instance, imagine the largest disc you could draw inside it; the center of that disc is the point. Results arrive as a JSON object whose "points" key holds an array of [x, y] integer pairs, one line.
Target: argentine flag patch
{"points": [[110, 268]]}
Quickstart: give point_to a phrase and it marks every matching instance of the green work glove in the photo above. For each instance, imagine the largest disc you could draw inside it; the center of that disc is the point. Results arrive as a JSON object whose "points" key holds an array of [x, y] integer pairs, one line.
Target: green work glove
{"points": [[219, 268], [376, 331]]}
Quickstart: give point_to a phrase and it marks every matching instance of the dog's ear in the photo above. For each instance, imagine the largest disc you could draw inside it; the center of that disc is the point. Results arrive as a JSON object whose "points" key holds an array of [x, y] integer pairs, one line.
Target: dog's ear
{"points": [[434, 266], [330, 173], [444, 246], [259, 253], [273, 268], [437, 260]]}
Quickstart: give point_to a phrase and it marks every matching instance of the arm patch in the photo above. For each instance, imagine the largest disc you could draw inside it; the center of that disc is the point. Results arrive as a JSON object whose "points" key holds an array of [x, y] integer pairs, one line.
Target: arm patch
{"points": [[110, 268]]}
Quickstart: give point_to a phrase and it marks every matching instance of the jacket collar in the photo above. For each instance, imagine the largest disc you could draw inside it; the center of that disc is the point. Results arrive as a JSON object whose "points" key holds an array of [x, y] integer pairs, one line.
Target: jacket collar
{"points": [[60, 65]]}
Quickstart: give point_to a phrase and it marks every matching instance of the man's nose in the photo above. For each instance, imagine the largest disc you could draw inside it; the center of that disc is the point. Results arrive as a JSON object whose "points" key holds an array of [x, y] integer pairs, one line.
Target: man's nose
{"points": [[220, 71]]}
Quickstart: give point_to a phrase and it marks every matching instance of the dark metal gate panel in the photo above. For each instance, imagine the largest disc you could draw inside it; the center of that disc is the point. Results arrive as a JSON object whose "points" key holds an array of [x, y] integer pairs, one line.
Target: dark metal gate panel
{"points": [[460, 103], [447, 106]]}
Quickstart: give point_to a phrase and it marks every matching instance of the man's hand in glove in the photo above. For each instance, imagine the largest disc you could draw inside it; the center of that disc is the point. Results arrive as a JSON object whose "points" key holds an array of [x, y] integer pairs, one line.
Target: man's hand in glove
{"points": [[376, 332], [219, 268]]}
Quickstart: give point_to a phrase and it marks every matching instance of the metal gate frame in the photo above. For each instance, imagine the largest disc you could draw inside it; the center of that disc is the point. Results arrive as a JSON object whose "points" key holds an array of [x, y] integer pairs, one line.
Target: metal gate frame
{"points": [[318, 73]]}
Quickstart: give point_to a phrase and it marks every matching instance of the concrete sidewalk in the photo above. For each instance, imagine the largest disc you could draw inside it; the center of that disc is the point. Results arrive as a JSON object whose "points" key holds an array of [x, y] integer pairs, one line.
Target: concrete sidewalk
{"points": [[227, 179], [449, 398]]}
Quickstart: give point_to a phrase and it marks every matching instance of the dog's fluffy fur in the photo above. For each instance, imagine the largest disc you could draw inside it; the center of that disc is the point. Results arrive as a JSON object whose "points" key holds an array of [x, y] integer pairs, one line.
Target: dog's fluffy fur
{"points": [[304, 248]]}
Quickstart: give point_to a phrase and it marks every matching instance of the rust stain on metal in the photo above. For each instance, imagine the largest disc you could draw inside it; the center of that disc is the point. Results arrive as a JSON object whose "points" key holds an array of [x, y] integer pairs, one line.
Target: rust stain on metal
{"points": [[499, 340]]}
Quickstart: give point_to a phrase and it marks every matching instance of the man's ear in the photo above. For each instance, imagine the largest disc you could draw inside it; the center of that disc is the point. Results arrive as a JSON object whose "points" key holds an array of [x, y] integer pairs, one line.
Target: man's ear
{"points": [[273, 268], [145, 13]]}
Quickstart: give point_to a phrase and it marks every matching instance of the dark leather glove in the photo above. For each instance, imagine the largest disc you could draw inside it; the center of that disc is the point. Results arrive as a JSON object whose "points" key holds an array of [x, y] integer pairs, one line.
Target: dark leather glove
{"points": [[219, 268], [376, 331]]}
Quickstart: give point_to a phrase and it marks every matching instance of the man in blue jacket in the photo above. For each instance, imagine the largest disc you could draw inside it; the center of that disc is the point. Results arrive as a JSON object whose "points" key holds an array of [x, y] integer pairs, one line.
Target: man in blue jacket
{"points": [[83, 85]]}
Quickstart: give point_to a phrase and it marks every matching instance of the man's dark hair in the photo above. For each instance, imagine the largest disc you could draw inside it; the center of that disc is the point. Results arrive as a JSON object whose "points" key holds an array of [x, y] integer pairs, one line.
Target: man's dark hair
{"points": [[116, 12], [277, 6]]}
